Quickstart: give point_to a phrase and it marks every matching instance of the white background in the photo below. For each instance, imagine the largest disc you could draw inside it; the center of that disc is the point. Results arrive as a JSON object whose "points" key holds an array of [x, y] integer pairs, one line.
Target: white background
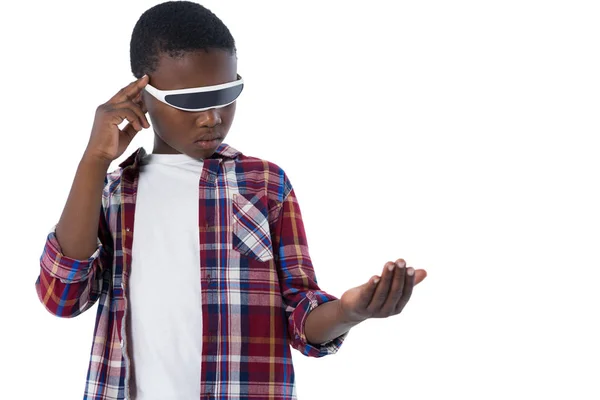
{"points": [[461, 136]]}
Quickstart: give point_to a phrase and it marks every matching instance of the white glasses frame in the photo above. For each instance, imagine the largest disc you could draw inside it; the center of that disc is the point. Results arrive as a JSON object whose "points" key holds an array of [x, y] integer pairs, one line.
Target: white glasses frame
{"points": [[162, 94]]}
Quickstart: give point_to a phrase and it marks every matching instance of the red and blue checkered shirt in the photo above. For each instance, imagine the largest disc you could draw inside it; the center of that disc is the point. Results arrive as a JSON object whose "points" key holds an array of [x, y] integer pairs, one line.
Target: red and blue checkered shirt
{"points": [[257, 281]]}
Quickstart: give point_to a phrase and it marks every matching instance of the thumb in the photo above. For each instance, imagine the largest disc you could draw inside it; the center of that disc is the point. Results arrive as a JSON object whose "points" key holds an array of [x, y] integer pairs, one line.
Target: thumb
{"points": [[367, 290]]}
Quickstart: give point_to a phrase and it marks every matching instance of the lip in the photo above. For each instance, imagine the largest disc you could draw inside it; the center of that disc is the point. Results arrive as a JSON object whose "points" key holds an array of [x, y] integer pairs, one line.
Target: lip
{"points": [[208, 138], [209, 142]]}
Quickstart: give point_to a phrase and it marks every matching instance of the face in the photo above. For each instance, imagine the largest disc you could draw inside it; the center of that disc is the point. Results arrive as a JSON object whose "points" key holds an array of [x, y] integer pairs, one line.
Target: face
{"points": [[177, 131]]}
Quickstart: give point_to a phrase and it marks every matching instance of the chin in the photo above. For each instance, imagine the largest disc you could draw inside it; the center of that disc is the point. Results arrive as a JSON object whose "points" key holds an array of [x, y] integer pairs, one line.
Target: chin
{"points": [[201, 153]]}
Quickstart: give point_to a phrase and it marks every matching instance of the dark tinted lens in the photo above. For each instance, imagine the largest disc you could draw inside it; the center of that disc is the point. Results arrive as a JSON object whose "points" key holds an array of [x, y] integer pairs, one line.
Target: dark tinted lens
{"points": [[205, 99]]}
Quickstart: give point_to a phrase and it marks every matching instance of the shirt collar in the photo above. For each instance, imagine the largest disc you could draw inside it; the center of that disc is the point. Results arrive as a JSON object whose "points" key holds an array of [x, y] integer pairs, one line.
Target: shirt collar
{"points": [[223, 151]]}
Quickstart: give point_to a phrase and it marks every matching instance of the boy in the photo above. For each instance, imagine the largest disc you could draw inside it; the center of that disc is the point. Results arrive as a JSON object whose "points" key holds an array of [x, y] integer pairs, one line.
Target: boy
{"points": [[216, 285]]}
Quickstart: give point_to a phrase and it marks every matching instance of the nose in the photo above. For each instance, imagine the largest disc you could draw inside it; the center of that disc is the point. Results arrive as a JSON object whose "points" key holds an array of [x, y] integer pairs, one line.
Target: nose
{"points": [[208, 118]]}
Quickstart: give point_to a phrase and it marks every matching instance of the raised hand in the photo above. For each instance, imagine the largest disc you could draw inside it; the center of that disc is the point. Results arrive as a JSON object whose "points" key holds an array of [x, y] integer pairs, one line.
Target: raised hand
{"points": [[107, 142]]}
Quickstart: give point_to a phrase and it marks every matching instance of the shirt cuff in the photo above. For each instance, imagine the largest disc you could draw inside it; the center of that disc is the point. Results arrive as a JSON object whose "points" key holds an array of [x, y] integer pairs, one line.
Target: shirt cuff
{"points": [[65, 268], [312, 300]]}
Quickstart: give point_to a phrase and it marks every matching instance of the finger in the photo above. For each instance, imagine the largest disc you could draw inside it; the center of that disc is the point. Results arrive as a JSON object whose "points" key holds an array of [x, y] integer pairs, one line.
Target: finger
{"points": [[396, 290], [136, 108], [420, 274], [409, 283], [121, 114], [129, 91], [382, 290], [129, 131], [138, 98], [140, 103]]}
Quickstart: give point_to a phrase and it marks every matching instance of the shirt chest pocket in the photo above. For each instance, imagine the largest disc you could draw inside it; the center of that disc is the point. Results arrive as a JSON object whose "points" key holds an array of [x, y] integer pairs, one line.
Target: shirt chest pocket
{"points": [[251, 235]]}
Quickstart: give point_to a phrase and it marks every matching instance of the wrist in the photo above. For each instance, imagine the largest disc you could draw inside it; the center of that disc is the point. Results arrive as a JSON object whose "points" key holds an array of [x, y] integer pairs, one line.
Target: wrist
{"points": [[346, 318], [94, 160]]}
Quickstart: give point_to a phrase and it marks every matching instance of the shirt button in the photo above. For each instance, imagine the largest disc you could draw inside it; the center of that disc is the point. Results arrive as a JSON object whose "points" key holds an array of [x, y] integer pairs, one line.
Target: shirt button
{"points": [[127, 229]]}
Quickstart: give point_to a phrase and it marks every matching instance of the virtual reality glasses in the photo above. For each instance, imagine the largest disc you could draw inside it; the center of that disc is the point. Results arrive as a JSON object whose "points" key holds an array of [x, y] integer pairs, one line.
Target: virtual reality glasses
{"points": [[200, 98]]}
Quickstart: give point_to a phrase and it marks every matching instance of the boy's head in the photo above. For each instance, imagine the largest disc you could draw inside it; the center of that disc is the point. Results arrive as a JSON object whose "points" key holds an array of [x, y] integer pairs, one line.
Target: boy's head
{"points": [[181, 45]]}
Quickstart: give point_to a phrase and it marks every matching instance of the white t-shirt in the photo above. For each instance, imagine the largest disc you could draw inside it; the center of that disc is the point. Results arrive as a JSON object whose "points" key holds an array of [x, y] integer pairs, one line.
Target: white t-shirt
{"points": [[164, 285]]}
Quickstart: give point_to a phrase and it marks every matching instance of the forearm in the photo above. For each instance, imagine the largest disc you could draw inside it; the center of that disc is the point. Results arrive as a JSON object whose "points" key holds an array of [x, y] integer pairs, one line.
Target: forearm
{"points": [[326, 322], [77, 229]]}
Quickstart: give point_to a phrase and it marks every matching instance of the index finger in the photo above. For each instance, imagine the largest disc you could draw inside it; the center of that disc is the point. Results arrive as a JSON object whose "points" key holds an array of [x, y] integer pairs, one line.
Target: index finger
{"points": [[130, 91]]}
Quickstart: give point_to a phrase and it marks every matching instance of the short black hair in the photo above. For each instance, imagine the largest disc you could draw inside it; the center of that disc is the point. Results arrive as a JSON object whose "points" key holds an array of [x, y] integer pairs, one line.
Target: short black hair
{"points": [[175, 28]]}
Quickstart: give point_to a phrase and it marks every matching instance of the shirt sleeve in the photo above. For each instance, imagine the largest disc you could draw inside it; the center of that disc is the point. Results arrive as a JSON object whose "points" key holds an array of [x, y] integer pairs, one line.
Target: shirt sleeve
{"points": [[66, 286], [297, 280]]}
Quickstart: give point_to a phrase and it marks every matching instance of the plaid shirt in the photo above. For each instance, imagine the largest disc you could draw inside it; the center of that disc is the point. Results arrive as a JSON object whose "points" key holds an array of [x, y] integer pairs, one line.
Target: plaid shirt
{"points": [[257, 281]]}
